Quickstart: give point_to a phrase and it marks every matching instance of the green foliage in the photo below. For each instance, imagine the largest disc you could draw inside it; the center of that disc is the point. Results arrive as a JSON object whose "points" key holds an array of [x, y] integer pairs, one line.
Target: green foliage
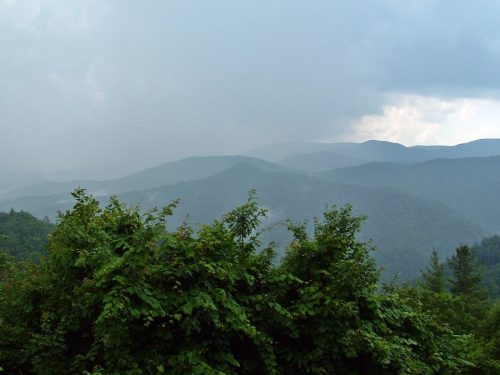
{"points": [[244, 220], [118, 293], [467, 316], [18, 285], [490, 329]]}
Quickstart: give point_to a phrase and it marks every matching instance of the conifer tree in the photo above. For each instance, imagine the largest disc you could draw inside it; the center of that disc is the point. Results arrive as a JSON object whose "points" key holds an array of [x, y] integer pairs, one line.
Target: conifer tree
{"points": [[466, 273], [433, 277]]}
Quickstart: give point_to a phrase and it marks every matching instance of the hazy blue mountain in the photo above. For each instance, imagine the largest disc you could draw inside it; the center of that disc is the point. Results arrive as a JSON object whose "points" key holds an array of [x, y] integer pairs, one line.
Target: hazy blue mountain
{"points": [[192, 168], [478, 148], [470, 186], [404, 226], [166, 174], [311, 157], [320, 161], [382, 151], [280, 151], [368, 151], [321, 156]]}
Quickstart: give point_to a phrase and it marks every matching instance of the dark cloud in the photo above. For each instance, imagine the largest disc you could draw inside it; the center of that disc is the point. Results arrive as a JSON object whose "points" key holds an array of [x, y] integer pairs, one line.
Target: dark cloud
{"points": [[121, 85]]}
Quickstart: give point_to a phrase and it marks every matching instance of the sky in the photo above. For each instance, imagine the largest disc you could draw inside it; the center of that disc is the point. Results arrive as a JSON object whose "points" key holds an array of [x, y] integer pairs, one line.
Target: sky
{"points": [[108, 87]]}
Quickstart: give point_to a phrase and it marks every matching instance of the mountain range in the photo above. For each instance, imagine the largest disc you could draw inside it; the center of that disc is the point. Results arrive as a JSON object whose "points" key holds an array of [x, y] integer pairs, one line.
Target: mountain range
{"points": [[346, 154], [415, 198]]}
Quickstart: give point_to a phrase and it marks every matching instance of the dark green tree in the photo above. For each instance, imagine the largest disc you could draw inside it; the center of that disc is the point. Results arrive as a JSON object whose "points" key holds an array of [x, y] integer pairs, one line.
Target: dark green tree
{"points": [[433, 277], [466, 272]]}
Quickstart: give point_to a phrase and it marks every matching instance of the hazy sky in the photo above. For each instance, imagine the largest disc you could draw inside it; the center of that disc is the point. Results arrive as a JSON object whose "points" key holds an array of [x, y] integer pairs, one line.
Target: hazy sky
{"points": [[120, 85]]}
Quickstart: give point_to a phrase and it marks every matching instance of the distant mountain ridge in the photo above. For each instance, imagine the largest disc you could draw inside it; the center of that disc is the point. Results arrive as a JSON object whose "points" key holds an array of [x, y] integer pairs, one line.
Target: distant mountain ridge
{"points": [[313, 157], [320, 161], [477, 148], [193, 168], [309, 157], [469, 185], [414, 197]]}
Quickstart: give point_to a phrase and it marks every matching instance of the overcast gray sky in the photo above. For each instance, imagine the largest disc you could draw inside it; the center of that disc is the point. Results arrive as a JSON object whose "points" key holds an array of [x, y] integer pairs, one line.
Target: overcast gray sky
{"points": [[118, 85]]}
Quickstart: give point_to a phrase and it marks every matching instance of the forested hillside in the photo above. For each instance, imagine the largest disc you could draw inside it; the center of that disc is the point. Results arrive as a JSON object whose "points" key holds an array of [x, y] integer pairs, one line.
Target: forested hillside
{"points": [[487, 253], [469, 186], [193, 168], [22, 235]]}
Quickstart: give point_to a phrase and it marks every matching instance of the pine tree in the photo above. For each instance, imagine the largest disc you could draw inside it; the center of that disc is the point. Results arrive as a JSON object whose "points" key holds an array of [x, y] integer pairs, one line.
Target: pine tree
{"points": [[466, 273], [433, 277]]}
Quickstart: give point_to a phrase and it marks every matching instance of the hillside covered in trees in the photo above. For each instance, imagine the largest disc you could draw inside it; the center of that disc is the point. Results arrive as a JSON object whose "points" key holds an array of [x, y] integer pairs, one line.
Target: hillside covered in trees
{"points": [[124, 292], [22, 235], [487, 253]]}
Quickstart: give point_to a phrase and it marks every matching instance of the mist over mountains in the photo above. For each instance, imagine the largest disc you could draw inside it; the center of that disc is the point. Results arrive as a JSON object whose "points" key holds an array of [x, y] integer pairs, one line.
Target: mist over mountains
{"points": [[415, 198]]}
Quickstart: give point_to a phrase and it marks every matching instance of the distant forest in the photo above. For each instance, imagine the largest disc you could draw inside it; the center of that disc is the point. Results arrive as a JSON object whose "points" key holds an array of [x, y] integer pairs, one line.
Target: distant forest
{"points": [[116, 292]]}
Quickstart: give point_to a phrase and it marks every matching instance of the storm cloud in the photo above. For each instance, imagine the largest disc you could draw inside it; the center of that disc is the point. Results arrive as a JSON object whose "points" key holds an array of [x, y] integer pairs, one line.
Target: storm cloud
{"points": [[114, 86]]}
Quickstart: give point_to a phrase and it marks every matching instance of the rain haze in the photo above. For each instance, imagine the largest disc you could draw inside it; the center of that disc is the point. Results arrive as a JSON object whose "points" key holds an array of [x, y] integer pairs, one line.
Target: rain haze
{"points": [[110, 87]]}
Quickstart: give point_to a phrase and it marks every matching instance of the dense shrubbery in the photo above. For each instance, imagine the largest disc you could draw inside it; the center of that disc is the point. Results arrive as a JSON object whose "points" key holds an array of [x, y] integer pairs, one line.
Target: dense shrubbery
{"points": [[118, 293]]}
